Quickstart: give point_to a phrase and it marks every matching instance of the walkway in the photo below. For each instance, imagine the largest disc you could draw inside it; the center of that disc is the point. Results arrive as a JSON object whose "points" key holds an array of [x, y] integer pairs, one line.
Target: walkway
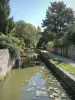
{"points": [[66, 60]]}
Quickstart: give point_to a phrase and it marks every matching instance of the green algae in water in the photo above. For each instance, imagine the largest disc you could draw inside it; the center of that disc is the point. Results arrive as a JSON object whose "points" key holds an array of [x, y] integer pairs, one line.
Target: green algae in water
{"points": [[38, 78]]}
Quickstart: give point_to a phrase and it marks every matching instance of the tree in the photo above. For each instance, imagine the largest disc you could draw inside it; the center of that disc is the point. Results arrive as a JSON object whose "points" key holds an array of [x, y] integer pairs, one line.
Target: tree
{"points": [[46, 37], [40, 42], [58, 18], [15, 45], [4, 14], [37, 36], [69, 36], [50, 45], [6, 23], [39, 29], [49, 36], [20, 29], [11, 25], [27, 32]]}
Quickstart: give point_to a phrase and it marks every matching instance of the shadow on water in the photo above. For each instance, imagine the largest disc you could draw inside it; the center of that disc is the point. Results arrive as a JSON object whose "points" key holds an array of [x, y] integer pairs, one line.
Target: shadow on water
{"points": [[27, 61], [30, 62], [70, 92]]}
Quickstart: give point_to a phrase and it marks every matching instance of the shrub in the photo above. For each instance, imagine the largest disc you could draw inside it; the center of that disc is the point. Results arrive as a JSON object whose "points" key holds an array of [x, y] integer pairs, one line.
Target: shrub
{"points": [[15, 45]]}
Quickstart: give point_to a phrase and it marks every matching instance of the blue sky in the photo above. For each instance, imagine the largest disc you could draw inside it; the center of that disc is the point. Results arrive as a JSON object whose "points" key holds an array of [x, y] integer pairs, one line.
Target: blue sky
{"points": [[33, 11]]}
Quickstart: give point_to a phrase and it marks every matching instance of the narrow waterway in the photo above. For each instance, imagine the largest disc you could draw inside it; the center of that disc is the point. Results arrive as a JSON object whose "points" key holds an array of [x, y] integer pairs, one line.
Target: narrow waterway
{"points": [[32, 83]]}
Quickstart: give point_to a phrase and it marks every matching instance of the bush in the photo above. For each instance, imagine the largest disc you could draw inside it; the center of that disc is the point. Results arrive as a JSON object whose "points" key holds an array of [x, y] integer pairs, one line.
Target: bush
{"points": [[28, 62], [15, 45], [50, 44]]}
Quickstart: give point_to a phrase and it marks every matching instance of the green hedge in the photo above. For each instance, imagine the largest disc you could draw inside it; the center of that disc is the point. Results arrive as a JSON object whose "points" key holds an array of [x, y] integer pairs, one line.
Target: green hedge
{"points": [[15, 45]]}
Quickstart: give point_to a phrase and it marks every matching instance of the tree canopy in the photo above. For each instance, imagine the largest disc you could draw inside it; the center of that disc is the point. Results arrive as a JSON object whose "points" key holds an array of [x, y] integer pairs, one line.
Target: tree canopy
{"points": [[45, 38], [15, 35], [6, 23], [58, 17], [27, 32], [59, 20]]}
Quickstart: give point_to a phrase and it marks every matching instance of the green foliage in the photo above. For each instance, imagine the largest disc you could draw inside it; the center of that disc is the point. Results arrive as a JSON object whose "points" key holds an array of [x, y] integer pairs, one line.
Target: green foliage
{"points": [[58, 17], [64, 65], [14, 44], [26, 32], [29, 61], [40, 42], [51, 36], [46, 37], [68, 38], [50, 44], [20, 29], [71, 34], [11, 25], [4, 13], [60, 20], [64, 40], [6, 23]]}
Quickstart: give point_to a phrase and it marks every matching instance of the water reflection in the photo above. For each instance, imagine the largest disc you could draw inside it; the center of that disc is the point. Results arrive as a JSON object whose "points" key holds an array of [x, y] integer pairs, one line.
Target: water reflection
{"points": [[32, 83], [36, 84], [43, 86]]}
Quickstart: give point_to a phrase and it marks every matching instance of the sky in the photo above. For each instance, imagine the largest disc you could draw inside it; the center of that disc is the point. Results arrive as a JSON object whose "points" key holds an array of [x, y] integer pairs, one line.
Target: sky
{"points": [[33, 11]]}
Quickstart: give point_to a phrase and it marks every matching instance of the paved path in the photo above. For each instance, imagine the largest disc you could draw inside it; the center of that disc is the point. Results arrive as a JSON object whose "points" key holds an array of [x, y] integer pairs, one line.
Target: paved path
{"points": [[67, 60]]}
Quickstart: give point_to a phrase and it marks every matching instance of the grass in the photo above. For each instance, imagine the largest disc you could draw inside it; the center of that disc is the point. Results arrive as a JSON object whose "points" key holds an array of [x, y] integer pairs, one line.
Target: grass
{"points": [[66, 66]]}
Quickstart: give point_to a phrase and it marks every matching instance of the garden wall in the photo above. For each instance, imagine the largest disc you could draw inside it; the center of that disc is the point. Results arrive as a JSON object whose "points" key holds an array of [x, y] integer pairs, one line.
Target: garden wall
{"points": [[66, 51]]}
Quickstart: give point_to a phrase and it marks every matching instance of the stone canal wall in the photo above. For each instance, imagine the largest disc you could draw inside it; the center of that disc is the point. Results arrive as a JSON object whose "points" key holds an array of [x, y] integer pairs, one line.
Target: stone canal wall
{"points": [[62, 74], [6, 62]]}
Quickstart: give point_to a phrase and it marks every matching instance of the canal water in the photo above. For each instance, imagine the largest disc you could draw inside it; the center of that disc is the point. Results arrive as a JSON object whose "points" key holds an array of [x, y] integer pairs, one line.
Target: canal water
{"points": [[32, 83]]}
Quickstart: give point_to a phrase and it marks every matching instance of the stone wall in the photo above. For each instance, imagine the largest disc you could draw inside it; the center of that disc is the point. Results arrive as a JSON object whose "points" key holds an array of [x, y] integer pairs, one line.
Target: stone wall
{"points": [[68, 78], [6, 62], [71, 51], [66, 51]]}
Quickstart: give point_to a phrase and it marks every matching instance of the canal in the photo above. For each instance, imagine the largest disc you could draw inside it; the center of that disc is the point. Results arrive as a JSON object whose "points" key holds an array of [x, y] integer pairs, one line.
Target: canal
{"points": [[32, 83]]}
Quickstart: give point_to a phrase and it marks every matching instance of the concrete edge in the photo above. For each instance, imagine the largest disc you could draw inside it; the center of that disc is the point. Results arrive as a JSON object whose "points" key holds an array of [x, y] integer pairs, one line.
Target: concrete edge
{"points": [[61, 73]]}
